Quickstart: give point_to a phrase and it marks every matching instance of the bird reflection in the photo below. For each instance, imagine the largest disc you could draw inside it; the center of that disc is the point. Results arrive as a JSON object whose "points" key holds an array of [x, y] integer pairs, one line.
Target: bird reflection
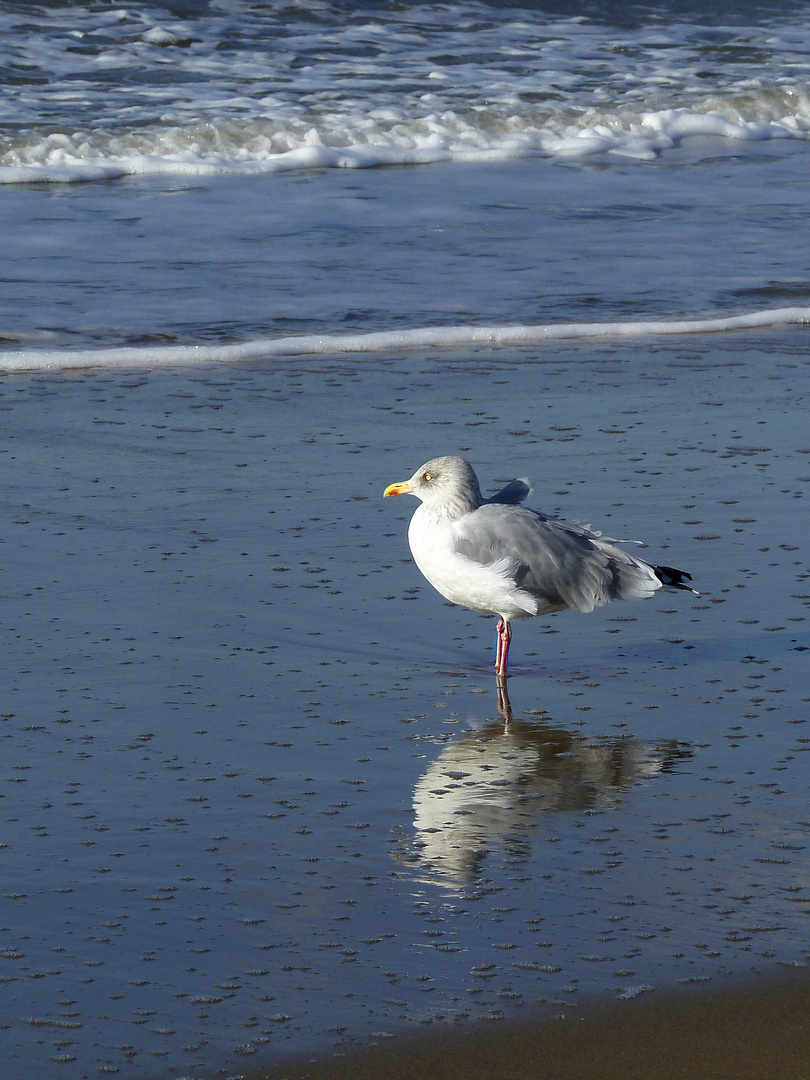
{"points": [[499, 782]]}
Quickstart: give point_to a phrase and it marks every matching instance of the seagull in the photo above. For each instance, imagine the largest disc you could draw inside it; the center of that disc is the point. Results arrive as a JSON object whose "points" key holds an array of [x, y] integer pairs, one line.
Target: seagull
{"points": [[497, 556]]}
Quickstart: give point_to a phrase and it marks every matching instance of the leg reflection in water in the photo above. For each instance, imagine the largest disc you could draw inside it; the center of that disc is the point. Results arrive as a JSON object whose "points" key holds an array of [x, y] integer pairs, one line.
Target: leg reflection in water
{"points": [[504, 704]]}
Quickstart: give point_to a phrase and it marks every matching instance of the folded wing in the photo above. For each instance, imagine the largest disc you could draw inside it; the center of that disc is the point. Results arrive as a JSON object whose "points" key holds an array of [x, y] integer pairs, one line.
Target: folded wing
{"points": [[558, 563]]}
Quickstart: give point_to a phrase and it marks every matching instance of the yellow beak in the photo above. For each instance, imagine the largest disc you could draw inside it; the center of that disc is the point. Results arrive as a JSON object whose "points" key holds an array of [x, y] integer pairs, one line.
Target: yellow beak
{"points": [[400, 488]]}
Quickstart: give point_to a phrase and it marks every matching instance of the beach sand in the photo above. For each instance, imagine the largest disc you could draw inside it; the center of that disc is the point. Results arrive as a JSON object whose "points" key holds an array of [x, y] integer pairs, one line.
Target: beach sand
{"points": [[232, 710]]}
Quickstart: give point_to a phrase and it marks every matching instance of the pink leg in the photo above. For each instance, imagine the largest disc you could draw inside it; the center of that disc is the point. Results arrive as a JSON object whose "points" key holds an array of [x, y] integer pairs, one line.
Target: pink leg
{"points": [[504, 632]]}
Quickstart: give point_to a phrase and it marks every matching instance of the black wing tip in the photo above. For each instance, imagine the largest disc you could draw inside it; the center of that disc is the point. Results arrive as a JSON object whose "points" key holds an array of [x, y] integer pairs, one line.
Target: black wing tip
{"points": [[673, 578]]}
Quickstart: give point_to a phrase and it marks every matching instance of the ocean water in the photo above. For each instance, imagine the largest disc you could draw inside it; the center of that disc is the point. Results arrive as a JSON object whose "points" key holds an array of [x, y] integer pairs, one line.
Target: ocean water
{"points": [[248, 173], [260, 260]]}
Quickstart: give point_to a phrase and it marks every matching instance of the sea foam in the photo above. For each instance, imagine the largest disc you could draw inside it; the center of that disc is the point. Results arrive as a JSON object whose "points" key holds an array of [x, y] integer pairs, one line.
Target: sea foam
{"points": [[264, 146], [278, 91], [452, 337]]}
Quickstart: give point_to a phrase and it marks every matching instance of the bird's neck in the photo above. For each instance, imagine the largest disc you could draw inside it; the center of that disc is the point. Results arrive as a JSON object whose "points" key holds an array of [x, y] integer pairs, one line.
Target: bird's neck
{"points": [[453, 509], [464, 500]]}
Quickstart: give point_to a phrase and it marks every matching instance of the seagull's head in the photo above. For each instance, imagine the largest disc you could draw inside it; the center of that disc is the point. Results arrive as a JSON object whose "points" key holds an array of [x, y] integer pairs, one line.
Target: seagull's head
{"points": [[447, 484]]}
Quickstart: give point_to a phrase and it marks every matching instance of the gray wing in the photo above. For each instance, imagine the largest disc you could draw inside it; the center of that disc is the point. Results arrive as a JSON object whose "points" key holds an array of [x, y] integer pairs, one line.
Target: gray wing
{"points": [[557, 562]]}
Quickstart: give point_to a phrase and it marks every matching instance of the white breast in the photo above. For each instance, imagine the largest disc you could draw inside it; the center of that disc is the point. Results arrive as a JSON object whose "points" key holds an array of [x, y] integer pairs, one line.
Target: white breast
{"points": [[460, 580]]}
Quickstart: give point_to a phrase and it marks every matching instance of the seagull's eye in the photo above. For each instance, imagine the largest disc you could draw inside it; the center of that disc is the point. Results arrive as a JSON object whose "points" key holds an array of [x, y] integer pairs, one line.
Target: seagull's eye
{"points": [[427, 477]]}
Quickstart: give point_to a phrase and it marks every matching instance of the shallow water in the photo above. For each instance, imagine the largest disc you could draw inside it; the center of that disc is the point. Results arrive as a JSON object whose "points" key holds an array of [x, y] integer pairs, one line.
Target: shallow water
{"points": [[235, 714], [447, 247]]}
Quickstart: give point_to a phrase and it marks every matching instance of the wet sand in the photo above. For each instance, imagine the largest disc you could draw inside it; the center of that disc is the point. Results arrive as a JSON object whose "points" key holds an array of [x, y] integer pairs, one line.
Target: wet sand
{"points": [[741, 1034], [258, 803]]}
